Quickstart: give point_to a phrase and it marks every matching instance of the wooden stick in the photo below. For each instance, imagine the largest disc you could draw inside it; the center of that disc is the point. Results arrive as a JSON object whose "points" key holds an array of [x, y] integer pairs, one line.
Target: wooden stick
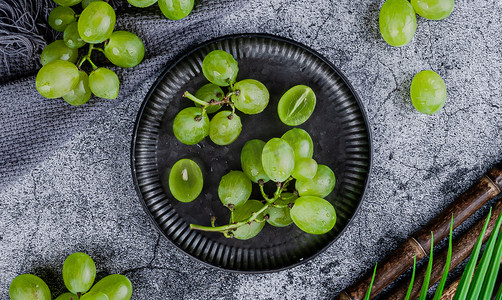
{"points": [[419, 244]]}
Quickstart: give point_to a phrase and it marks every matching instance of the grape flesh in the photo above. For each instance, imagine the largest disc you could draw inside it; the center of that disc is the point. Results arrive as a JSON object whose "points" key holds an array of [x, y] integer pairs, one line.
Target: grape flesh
{"points": [[321, 185], [428, 92], [67, 2], [79, 272], [243, 213], [116, 287], [124, 49], [252, 96], [60, 17], [104, 83], [185, 180], [67, 296], [71, 37], [278, 159], [96, 22], [234, 189], [210, 92], [81, 93], [296, 105], [142, 3], [28, 286], [224, 130], [176, 9], [251, 160], [313, 215], [300, 141], [58, 50], [191, 126], [305, 168], [433, 9], [57, 79], [398, 22], [220, 68]]}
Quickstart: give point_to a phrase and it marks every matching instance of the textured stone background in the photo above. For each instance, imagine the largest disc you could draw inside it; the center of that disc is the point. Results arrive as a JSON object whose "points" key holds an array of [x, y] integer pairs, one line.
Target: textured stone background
{"points": [[72, 191]]}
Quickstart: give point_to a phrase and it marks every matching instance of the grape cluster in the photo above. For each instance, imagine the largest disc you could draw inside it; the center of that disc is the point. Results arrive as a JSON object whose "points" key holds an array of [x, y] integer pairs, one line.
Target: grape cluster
{"points": [[62, 75], [79, 272]]}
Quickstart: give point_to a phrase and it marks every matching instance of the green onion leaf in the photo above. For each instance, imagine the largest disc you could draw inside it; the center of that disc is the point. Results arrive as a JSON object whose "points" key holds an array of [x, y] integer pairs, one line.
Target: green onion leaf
{"points": [[368, 293], [439, 290], [494, 265], [425, 285], [408, 294]]}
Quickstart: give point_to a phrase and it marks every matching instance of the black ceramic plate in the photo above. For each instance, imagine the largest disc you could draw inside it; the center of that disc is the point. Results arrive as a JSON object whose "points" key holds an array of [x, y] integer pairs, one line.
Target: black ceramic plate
{"points": [[338, 128]]}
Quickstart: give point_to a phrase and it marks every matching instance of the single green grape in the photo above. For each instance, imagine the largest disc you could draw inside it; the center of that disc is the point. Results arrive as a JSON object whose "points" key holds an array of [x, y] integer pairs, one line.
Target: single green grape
{"points": [[279, 217], [116, 287], [252, 96], [185, 180], [176, 9], [60, 17], [57, 79], [79, 272], [243, 213], [67, 2], [234, 189], [225, 128], [124, 49], [305, 169], [398, 22], [104, 83], [142, 3], [313, 215], [210, 92], [81, 93], [58, 50], [86, 3], [29, 287], [300, 141], [71, 37], [251, 160], [296, 105], [94, 296], [96, 22], [220, 68], [67, 296], [433, 9], [321, 185], [191, 125], [428, 92], [278, 159]]}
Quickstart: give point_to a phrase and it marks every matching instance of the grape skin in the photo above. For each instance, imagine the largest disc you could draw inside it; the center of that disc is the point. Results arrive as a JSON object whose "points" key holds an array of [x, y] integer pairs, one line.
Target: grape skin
{"points": [[79, 272], [252, 97], [67, 296], [71, 37], [116, 287], [220, 68], [278, 159], [58, 50], [187, 129], [433, 9], [142, 3], [234, 189], [210, 92], [398, 22], [28, 286], [305, 169], [60, 17], [124, 49], [104, 83], [176, 9], [428, 92], [251, 160], [81, 93], [300, 141], [313, 215], [67, 2], [243, 213], [57, 79], [321, 185], [96, 22], [224, 131]]}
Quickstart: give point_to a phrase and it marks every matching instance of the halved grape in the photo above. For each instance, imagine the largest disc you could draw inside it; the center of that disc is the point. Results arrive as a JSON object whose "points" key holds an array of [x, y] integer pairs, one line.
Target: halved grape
{"points": [[220, 68], [234, 189], [67, 296], [300, 141], [278, 159], [116, 287], [252, 96], [428, 92], [81, 93], [96, 22], [313, 215], [104, 83], [296, 105], [57, 79], [60, 17], [243, 213], [321, 185], [433, 9], [210, 92], [67, 2], [176, 9], [28, 286], [94, 296], [71, 37], [86, 3], [79, 272], [251, 160], [191, 126], [124, 49], [58, 50], [305, 168], [142, 3], [185, 180], [398, 22], [224, 128]]}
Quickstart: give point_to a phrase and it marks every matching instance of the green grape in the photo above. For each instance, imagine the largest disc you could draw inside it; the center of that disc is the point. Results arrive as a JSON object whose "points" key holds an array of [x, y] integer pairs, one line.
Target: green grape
{"points": [[58, 50], [210, 92], [234, 189], [251, 160], [185, 180], [67, 2], [253, 96], [305, 168], [142, 3], [296, 105], [57, 79], [124, 49], [96, 22], [176, 9], [313, 215], [79, 272], [398, 22], [71, 37], [428, 92], [29, 287], [191, 125], [220, 68], [86, 3], [81, 93], [286, 198], [278, 216], [321, 185], [224, 128], [243, 213], [433, 9], [116, 287], [67, 296], [278, 159], [300, 141], [94, 296], [104, 83], [60, 17]]}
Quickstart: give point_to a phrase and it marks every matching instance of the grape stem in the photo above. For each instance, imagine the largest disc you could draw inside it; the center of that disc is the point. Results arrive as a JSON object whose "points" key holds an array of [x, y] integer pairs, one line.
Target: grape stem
{"points": [[204, 103]]}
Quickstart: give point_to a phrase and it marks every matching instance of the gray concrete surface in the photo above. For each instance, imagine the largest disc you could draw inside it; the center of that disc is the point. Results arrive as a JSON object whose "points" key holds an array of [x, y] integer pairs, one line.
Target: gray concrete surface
{"points": [[80, 196]]}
